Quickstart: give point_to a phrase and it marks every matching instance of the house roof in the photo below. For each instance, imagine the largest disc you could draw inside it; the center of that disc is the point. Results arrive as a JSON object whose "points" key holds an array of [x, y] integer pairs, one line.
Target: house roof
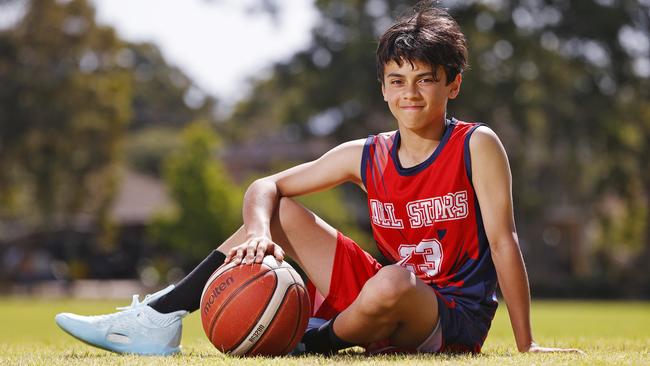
{"points": [[138, 198]]}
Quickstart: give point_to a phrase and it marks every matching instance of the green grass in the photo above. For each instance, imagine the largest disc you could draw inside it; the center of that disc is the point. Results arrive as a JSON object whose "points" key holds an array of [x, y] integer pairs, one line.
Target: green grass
{"points": [[612, 333]]}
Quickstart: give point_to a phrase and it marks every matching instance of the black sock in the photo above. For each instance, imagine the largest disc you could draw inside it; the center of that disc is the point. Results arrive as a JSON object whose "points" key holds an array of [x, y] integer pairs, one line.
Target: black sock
{"points": [[186, 295], [323, 340]]}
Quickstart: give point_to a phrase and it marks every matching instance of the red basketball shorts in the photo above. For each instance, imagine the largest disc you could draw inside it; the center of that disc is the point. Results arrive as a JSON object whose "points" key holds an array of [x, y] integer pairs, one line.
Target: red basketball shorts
{"points": [[351, 269], [458, 329]]}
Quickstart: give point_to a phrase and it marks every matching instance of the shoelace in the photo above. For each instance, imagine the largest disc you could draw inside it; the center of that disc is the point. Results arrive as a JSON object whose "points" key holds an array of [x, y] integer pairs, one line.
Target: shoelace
{"points": [[136, 299], [135, 303]]}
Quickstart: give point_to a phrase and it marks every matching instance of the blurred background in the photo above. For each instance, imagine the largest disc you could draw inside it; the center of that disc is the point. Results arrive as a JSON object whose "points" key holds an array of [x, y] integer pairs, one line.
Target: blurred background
{"points": [[129, 130]]}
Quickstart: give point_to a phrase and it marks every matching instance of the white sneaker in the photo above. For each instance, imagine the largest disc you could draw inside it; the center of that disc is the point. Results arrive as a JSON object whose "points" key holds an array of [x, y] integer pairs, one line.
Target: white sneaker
{"points": [[137, 329]]}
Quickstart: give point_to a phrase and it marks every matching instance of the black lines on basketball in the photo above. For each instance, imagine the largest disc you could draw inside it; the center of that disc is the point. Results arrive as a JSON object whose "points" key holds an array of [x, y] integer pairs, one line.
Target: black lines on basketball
{"points": [[261, 313], [258, 309], [232, 297]]}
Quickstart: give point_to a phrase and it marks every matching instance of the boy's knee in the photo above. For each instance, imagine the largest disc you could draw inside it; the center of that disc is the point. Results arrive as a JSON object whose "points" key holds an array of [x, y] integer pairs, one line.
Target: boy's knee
{"points": [[385, 291]]}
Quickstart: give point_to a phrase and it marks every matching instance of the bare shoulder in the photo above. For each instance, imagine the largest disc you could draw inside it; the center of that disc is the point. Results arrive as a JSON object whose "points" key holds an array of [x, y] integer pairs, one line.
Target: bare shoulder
{"points": [[484, 138], [351, 147], [347, 153], [345, 157], [489, 158]]}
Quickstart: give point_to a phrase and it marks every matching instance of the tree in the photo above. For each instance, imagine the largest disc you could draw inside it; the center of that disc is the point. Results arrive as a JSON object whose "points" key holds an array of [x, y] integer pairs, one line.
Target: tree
{"points": [[163, 96], [207, 204], [65, 103], [70, 89]]}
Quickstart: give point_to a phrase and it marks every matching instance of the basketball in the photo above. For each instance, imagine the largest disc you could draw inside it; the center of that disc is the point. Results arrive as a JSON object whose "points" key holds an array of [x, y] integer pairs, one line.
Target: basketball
{"points": [[258, 309]]}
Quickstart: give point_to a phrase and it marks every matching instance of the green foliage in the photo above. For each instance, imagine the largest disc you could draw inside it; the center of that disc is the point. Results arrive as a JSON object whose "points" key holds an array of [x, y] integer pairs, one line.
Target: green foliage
{"points": [[609, 332], [622, 224], [64, 105], [69, 90], [208, 204], [163, 96], [147, 148], [328, 89]]}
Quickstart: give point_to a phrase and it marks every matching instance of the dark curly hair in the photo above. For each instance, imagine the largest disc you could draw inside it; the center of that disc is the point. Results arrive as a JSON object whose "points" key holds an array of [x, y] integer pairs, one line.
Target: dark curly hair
{"points": [[430, 35]]}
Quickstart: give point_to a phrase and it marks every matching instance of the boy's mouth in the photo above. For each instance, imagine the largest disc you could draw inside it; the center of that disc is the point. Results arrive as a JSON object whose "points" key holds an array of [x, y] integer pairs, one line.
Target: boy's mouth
{"points": [[411, 107]]}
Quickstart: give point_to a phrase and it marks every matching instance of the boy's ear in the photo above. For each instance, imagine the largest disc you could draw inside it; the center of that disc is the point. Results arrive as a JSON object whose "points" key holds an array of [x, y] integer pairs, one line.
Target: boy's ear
{"points": [[383, 91], [455, 86]]}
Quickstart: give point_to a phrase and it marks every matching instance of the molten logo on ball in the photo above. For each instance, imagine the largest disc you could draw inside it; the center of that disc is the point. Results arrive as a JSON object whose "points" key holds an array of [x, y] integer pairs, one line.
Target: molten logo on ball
{"points": [[216, 290]]}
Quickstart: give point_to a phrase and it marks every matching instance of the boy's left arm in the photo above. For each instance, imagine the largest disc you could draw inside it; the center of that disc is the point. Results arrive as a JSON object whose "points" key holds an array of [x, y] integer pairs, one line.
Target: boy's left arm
{"points": [[493, 185]]}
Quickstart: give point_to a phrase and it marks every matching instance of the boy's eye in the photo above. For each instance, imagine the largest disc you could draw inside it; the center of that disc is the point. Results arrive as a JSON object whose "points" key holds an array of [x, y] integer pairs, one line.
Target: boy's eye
{"points": [[426, 80], [396, 82]]}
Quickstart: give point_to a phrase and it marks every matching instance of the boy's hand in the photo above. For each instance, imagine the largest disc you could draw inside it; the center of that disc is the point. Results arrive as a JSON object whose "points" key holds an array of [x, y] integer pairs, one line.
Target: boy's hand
{"points": [[254, 250], [539, 349]]}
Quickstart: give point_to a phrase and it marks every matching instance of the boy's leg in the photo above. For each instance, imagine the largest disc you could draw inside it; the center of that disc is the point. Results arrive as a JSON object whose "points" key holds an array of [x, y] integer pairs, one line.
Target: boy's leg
{"points": [[183, 296], [393, 304], [305, 238]]}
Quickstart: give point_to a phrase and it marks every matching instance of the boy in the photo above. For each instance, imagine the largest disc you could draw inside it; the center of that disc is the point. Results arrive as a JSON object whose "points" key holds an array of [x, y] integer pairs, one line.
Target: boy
{"points": [[439, 196]]}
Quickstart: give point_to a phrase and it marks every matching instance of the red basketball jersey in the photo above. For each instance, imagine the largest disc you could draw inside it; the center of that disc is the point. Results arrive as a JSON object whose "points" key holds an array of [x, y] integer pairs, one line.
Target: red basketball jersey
{"points": [[426, 218]]}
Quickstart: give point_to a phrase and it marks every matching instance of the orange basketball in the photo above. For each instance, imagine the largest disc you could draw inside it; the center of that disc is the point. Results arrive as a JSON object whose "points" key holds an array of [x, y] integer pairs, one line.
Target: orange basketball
{"points": [[259, 309]]}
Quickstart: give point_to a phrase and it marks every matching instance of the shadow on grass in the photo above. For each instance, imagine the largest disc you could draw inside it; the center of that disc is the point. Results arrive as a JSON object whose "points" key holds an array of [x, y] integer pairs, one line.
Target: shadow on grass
{"points": [[99, 354], [350, 355], [357, 354], [85, 355]]}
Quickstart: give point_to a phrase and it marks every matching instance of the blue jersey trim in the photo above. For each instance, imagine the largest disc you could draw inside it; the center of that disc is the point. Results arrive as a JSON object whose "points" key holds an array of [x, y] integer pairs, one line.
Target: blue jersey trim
{"points": [[364, 158], [451, 123], [485, 254], [483, 242], [467, 157]]}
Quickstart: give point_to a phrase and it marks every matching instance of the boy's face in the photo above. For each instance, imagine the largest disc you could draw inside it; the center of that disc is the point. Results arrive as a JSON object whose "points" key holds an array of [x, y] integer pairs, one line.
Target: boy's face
{"points": [[414, 97]]}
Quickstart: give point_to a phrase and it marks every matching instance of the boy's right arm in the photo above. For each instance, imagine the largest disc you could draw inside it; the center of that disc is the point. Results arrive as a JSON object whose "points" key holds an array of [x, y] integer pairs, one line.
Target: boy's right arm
{"points": [[339, 165]]}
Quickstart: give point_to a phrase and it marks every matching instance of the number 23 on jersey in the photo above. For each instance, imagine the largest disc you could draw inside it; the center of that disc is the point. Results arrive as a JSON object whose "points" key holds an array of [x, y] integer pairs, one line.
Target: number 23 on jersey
{"points": [[424, 258]]}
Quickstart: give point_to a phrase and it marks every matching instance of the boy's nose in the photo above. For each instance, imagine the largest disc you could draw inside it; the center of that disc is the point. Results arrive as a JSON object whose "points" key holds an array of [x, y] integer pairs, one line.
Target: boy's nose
{"points": [[411, 92]]}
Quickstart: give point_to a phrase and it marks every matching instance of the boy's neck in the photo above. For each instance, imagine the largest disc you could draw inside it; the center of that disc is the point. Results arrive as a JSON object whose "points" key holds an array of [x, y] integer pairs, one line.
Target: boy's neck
{"points": [[417, 145]]}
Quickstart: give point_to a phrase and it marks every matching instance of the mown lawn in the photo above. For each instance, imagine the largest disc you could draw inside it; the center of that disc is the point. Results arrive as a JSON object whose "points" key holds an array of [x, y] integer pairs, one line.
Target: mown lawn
{"points": [[611, 333]]}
